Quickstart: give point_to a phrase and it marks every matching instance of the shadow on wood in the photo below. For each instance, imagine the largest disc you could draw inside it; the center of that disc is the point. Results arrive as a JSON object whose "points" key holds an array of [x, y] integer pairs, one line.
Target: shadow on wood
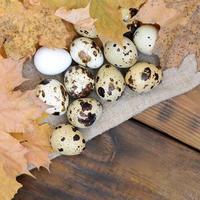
{"points": [[130, 162]]}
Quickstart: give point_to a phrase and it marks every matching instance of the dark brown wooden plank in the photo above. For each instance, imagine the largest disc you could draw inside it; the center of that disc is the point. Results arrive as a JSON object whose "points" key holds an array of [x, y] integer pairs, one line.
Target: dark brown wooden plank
{"points": [[130, 162], [178, 117]]}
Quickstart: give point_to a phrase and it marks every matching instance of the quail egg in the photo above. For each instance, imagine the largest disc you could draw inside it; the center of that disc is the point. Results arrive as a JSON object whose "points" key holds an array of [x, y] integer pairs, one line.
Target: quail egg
{"points": [[121, 56], [89, 32], [67, 140], [84, 112], [53, 93], [143, 77], [85, 51], [145, 38], [110, 83], [79, 81], [52, 61]]}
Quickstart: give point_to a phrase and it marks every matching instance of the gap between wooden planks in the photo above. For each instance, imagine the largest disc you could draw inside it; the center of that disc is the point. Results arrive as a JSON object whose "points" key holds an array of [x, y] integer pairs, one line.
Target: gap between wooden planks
{"points": [[179, 117]]}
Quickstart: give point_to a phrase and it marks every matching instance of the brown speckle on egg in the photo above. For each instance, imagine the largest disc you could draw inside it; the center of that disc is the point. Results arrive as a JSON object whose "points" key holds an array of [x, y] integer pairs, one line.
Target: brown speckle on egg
{"points": [[84, 57], [76, 137], [146, 74], [101, 92], [89, 120], [60, 150], [86, 106]]}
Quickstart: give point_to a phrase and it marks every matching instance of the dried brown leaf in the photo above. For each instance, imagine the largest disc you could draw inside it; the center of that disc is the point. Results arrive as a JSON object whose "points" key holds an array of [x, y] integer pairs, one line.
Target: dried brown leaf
{"points": [[179, 35], [80, 16], [22, 28]]}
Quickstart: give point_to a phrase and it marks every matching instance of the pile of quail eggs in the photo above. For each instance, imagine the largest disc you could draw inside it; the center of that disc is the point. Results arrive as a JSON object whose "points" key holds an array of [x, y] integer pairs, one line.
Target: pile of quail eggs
{"points": [[88, 67]]}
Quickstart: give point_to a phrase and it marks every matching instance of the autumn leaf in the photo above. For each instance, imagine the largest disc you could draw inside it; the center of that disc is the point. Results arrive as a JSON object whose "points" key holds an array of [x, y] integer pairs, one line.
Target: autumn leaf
{"points": [[8, 186], [80, 16], [17, 109], [109, 22], [176, 42], [37, 144], [12, 155], [10, 74], [179, 33], [23, 28], [156, 12], [20, 113]]}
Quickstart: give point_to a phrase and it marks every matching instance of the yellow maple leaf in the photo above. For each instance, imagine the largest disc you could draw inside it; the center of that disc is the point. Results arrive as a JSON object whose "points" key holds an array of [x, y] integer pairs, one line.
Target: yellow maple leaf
{"points": [[17, 109], [109, 22], [19, 113], [37, 145], [12, 155], [8, 185]]}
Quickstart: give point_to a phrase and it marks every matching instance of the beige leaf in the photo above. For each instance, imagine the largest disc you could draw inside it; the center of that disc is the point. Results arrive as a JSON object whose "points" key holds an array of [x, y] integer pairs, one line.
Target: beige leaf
{"points": [[8, 185]]}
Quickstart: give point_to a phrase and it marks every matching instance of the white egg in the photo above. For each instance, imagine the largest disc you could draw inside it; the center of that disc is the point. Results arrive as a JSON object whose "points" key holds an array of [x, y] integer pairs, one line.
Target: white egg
{"points": [[145, 37], [52, 61], [85, 51]]}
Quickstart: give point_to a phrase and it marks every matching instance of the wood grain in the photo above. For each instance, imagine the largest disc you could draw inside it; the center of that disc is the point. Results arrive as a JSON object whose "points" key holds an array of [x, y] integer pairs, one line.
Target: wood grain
{"points": [[130, 162], [178, 117]]}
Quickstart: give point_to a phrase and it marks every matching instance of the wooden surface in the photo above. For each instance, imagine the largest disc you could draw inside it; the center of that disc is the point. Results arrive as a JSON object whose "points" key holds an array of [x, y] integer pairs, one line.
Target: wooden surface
{"points": [[130, 162], [178, 117]]}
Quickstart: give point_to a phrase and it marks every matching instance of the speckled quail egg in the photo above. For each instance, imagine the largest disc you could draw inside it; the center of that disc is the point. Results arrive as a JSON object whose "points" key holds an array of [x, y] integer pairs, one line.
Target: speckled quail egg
{"points": [[67, 140], [84, 112], [53, 93], [143, 77], [52, 61], [110, 83], [121, 56], [85, 51], [89, 32], [128, 13], [145, 38], [79, 81]]}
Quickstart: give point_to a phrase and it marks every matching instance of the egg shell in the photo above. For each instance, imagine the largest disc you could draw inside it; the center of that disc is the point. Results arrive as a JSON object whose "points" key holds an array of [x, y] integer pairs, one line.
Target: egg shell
{"points": [[84, 112], [52, 61], [86, 31], [85, 51], [54, 94], [143, 77], [145, 38], [67, 140], [110, 83], [79, 81], [123, 56]]}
